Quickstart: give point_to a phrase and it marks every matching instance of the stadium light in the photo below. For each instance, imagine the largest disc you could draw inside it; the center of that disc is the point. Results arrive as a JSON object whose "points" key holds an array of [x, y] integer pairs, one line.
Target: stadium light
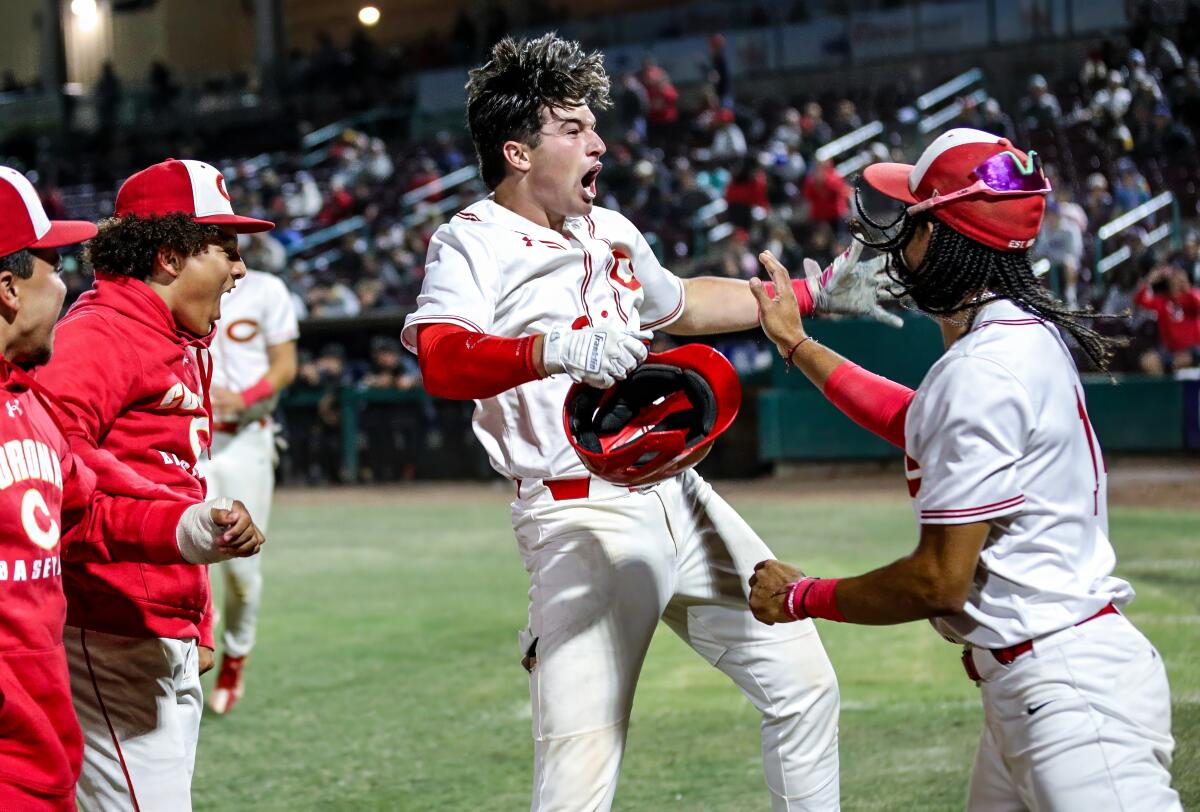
{"points": [[368, 15], [86, 12]]}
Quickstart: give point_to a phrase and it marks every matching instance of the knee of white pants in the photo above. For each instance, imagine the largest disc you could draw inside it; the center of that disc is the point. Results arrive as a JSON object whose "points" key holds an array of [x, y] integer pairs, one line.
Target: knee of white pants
{"points": [[793, 685], [578, 772]]}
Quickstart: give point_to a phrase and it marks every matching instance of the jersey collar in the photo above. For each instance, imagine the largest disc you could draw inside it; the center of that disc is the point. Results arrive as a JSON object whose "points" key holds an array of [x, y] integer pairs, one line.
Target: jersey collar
{"points": [[494, 212]]}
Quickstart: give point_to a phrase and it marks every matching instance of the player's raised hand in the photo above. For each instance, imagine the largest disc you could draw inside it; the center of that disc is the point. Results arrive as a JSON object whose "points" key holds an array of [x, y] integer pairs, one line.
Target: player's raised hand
{"points": [[851, 287], [595, 356], [768, 591], [779, 316]]}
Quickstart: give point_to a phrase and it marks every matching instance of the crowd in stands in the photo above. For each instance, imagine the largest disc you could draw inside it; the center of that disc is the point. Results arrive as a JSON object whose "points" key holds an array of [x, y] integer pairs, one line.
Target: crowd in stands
{"points": [[713, 178]]}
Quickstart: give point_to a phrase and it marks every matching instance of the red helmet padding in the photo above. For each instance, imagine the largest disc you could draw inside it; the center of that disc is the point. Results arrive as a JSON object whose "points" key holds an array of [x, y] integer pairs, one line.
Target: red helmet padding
{"points": [[659, 421]]}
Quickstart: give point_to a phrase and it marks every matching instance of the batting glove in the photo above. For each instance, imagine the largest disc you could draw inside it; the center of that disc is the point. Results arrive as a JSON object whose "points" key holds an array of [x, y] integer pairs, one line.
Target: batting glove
{"points": [[851, 287], [598, 357]]}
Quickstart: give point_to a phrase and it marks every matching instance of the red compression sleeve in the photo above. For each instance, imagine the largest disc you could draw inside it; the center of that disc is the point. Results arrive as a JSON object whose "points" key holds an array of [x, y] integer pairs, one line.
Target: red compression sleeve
{"points": [[461, 365], [870, 400], [259, 391], [804, 299]]}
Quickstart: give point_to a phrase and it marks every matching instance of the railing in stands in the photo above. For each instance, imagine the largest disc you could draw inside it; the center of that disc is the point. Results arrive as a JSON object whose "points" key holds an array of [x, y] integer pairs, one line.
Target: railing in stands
{"points": [[327, 234], [1171, 228], [442, 184], [847, 142], [946, 90]]}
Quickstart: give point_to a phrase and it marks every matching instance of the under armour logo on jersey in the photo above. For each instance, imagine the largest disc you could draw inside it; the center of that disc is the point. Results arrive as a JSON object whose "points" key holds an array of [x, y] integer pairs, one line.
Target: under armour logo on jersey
{"points": [[14, 408], [528, 242]]}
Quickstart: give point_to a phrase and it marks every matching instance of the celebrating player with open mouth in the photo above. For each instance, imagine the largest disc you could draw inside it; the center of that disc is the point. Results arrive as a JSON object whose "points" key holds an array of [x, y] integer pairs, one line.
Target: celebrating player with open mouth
{"points": [[1009, 486], [530, 290]]}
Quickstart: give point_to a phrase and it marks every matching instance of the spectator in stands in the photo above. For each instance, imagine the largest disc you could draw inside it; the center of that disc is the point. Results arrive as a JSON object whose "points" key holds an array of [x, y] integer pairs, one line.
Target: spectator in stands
{"points": [[1039, 110], [1061, 242], [263, 252], [728, 140], [663, 99], [1108, 109], [329, 298], [108, 100], [787, 133], [1188, 257], [1099, 203], [631, 103], [1131, 189], [746, 192], [394, 432], [391, 367], [720, 75], [1064, 196], [827, 195], [815, 130], [162, 90], [846, 118], [1169, 294], [990, 118]]}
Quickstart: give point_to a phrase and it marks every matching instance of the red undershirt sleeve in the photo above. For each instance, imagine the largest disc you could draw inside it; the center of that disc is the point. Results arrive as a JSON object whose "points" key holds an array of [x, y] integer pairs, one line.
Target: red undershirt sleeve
{"points": [[459, 364], [870, 400], [804, 300]]}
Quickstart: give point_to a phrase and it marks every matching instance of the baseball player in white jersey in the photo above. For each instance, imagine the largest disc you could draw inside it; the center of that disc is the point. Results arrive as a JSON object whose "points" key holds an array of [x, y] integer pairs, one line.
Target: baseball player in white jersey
{"points": [[529, 290], [254, 359], [1008, 484]]}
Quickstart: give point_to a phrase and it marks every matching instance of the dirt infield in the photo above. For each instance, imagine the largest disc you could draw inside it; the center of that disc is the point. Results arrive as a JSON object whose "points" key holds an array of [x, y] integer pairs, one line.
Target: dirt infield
{"points": [[1133, 482]]}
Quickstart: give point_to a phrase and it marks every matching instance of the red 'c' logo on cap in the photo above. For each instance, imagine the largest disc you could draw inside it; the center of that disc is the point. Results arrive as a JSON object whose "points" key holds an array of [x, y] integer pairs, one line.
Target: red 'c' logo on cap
{"points": [[221, 186]]}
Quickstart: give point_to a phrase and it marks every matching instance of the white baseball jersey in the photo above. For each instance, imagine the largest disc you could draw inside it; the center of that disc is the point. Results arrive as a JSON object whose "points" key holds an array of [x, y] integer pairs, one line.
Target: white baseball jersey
{"points": [[492, 271], [999, 431], [255, 315]]}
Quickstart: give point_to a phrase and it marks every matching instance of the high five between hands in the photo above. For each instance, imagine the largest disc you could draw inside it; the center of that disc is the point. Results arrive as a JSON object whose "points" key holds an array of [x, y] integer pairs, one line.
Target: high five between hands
{"points": [[602, 356]]}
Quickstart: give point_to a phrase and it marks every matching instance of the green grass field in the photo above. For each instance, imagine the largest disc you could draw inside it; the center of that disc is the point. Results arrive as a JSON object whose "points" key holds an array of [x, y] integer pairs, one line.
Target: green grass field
{"points": [[387, 674]]}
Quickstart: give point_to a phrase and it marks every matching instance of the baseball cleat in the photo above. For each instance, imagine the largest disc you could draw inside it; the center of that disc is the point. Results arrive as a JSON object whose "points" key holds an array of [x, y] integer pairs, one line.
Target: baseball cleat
{"points": [[229, 685]]}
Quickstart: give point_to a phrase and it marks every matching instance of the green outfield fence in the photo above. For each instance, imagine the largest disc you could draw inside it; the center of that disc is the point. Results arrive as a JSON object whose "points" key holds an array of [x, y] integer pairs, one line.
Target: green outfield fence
{"points": [[783, 418]]}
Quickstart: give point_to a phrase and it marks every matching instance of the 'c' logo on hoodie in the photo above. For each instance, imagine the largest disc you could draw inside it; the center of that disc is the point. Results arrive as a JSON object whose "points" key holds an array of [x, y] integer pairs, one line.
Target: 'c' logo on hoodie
{"points": [[180, 398]]}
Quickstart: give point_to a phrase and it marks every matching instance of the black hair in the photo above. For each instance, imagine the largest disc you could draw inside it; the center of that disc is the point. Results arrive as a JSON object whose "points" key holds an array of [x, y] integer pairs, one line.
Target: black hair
{"points": [[959, 274], [19, 262], [506, 95], [129, 245]]}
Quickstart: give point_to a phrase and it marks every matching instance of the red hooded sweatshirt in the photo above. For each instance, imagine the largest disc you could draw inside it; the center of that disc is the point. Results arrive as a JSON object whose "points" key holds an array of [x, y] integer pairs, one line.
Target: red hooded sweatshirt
{"points": [[43, 491], [136, 387]]}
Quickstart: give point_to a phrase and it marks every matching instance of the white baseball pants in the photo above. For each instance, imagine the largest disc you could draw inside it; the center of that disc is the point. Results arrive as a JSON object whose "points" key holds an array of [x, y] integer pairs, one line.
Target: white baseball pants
{"points": [[139, 702], [603, 571], [242, 467], [1082, 722]]}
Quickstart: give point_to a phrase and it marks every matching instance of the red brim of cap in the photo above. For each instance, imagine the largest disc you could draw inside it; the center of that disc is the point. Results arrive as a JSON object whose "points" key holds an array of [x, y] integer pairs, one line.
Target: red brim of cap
{"points": [[66, 232], [242, 225], [891, 179]]}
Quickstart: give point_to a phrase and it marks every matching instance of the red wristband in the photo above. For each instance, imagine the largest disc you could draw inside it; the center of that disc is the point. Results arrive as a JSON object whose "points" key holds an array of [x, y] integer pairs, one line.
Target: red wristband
{"points": [[804, 300], [259, 391], [813, 597]]}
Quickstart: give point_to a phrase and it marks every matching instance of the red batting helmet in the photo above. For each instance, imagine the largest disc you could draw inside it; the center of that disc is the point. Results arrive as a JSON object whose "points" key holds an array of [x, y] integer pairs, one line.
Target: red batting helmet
{"points": [[659, 421]]}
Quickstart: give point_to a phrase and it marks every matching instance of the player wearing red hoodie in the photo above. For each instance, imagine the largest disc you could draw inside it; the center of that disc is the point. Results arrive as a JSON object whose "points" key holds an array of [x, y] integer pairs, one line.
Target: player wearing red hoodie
{"points": [[50, 510], [132, 368]]}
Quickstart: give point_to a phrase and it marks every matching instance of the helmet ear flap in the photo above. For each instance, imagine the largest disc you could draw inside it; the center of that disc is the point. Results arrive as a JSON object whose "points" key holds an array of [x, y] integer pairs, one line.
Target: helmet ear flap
{"points": [[659, 421]]}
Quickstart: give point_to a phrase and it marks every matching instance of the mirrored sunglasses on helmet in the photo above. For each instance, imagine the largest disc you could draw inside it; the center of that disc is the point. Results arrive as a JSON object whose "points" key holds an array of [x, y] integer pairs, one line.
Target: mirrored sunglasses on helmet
{"points": [[1000, 175]]}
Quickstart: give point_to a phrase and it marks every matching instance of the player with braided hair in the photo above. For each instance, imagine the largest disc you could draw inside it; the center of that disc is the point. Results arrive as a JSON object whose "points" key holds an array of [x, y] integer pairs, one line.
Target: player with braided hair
{"points": [[1008, 483], [955, 265]]}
